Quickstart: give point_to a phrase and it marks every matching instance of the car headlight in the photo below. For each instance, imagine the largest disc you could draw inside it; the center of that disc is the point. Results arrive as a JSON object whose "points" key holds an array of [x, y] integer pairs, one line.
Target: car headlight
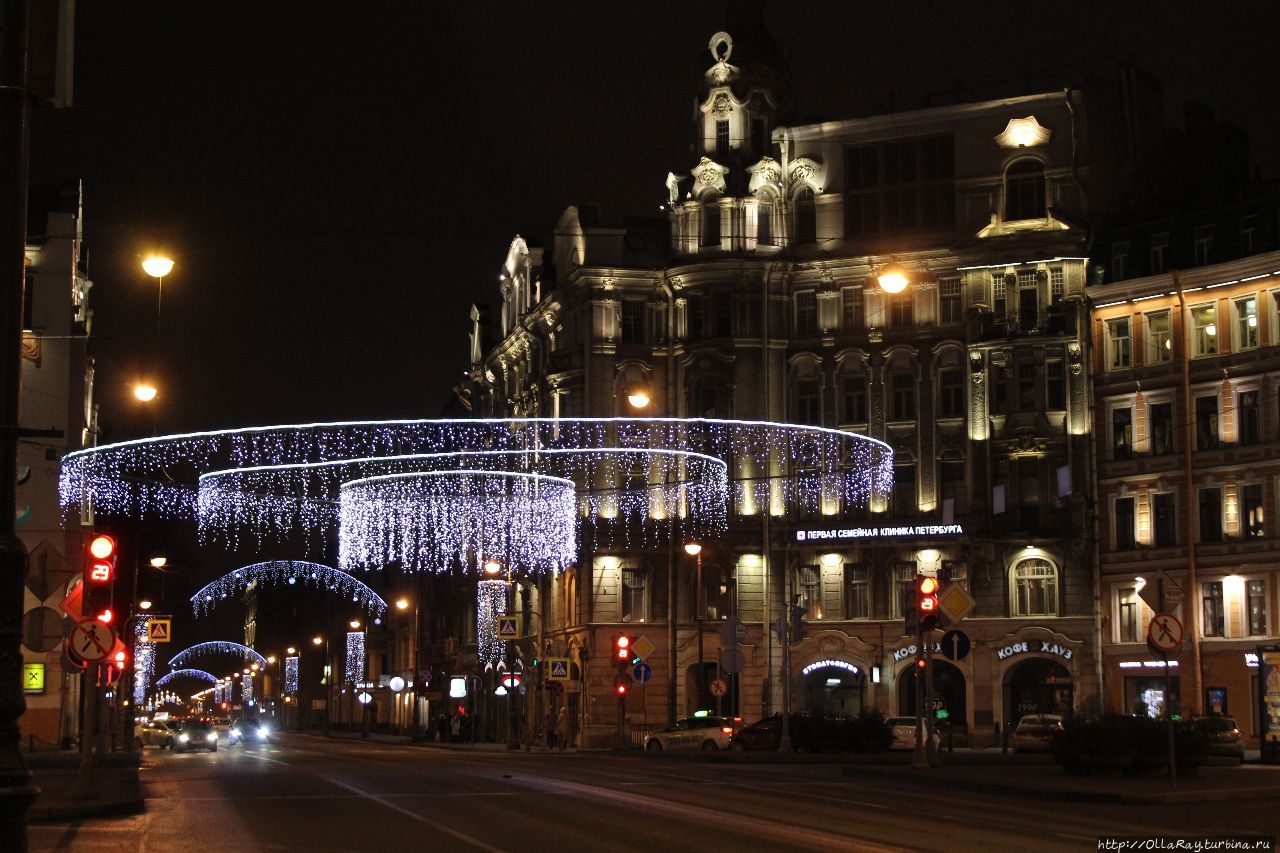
{"points": [[212, 736], [235, 732], [266, 730], [183, 738]]}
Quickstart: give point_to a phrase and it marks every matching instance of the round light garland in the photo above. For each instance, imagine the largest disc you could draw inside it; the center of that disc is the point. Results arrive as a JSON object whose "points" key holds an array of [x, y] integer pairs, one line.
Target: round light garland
{"points": [[186, 673], [353, 664], [215, 647], [289, 573], [491, 602], [291, 675]]}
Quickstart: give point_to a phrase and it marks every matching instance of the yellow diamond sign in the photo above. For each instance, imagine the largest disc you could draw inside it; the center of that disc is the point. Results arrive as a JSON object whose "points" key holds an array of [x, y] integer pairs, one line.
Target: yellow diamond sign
{"points": [[955, 602]]}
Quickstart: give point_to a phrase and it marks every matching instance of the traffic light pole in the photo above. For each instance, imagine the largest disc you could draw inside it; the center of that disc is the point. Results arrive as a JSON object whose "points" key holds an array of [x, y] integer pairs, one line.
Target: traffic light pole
{"points": [[920, 758]]}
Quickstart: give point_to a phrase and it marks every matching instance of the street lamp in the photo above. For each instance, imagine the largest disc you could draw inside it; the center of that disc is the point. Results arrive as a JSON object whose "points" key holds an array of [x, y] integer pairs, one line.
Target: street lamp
{"points": [[402, 604], [638, 397], [144, 392], [318, 641], [158, 267], [892, 278], [694, 549]]}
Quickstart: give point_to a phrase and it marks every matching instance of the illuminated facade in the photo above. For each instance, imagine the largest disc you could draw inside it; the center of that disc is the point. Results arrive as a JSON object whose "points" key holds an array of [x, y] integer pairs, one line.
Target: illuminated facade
{"points": [[759, 300]]}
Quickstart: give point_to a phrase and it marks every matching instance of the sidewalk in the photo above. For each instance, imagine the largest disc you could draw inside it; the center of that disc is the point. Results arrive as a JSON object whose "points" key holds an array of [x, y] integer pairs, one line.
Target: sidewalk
{"points": [[54, 774]]}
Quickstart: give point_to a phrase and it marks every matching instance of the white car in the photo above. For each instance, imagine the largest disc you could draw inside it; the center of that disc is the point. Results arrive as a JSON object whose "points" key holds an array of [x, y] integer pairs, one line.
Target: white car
{"points": [[904, 733], [708, 733]]}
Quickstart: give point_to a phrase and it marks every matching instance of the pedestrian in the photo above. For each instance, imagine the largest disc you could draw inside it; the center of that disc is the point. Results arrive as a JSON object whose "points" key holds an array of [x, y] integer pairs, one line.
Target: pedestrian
{"points": [[455, 728], [563, 727], [442, 727]]}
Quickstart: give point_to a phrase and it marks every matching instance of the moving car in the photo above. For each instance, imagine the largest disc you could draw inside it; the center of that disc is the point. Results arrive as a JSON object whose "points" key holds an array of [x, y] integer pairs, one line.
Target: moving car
{"points": [[161, 733], [1222, 736], [808, 733], [1035, 732], [196, 734], [694, 733], [251, 731]]}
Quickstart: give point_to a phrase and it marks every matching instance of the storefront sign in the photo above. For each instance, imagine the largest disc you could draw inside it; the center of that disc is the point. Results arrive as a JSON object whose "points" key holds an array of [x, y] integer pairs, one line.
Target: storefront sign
{"points": [[839, 534], [1147, 664], [909, 651], [1027, 646], [823, 664]]}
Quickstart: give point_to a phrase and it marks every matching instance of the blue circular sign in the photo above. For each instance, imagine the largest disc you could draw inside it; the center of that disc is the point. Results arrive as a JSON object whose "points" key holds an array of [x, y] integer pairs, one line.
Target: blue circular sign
{"points": [[955, 644], [642, 672]]}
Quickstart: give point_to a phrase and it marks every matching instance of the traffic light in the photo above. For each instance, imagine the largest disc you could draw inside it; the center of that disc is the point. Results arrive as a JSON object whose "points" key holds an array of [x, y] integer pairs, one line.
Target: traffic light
{"points": [[622, 654], [797, 620], [621, 684], [926, 602], [99, 578]]}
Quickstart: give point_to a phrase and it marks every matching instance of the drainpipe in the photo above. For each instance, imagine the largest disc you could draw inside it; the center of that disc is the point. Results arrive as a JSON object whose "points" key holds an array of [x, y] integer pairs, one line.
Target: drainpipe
{"points": [[1191, 594], [1091, 507]]}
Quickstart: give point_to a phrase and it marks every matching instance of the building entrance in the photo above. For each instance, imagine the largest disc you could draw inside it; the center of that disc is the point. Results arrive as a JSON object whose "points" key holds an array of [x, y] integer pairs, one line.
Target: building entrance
{"points": [[949, 694], [834, 689], [1037, 686]]}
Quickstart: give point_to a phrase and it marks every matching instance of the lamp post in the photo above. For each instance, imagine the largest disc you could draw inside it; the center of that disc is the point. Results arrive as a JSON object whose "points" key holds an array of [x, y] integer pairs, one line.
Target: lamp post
{"points": [[318, 641], [356, 625], [493, 568], [158, 266], [694, 549], [137, 610], [402, 604]]}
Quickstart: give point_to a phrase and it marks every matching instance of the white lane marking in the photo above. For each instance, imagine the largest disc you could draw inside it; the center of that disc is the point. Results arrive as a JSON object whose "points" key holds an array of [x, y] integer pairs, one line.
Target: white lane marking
{"points": [[474, 842]]}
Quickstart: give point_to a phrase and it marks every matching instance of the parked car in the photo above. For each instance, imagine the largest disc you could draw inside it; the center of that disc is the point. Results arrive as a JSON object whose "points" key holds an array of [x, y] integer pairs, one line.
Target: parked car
{"points": [[708, 733], [196, 734], [160, 733], [904, 733], [1222, 735], [1035, 732], [808, 733]]}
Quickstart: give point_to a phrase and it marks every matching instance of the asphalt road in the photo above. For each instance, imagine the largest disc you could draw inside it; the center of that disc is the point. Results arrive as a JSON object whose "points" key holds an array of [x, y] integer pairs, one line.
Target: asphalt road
{"points": [[312, 794]]}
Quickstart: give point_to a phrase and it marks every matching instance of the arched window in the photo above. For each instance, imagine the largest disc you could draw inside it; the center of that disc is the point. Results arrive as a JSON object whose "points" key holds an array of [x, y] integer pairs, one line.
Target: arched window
{"points": [[1035, 588], [764, 220], [1024, 191], [806, 218]]}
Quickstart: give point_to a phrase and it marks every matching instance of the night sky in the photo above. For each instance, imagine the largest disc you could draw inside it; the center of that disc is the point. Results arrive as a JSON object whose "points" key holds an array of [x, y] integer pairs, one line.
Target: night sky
{"points": [[338, 183]]}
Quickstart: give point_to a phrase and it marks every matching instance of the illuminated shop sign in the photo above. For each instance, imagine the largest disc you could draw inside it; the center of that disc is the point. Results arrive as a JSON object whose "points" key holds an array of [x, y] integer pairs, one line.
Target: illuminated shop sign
{"points": [[1251, 659], [1147, 664], [824, 664], [1042, 646], [838, 534], [908, 651]]}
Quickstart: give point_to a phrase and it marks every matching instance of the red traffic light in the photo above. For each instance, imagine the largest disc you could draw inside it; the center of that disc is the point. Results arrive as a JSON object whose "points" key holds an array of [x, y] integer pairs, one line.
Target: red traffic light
{"points": [[100, 566], [102, 547], [620, 686], [622, 648], [926, 596]]}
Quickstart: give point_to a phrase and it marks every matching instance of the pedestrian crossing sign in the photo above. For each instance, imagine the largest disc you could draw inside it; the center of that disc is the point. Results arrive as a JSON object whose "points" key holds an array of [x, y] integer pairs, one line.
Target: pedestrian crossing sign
{"points": [[158, 631], [557, 669], [508, 627]]}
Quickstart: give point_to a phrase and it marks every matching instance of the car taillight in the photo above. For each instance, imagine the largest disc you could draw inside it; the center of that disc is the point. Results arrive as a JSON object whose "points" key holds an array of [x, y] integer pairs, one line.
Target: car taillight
{"points": [[727, 729]]}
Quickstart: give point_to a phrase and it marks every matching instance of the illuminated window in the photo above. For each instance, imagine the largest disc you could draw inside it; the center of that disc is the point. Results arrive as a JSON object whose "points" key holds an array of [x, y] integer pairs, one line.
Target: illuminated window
{"points": [[857, 600], [1214, 620], [809, 588], [633, 600], [1118, 344], [1159, 341], [1125, 540], [806, 302], [1035, 588], [1121, 433], [1024, 191], [1256, 604], [1246, 323], [1204, 330], [1127, 623], [1251, 511], [951, 311]]}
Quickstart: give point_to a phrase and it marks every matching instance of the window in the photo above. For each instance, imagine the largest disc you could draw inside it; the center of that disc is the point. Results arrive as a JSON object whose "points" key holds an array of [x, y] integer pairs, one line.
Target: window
{"points": [[1256, 603], [1214, 620], [1035, 588], [1057, 285], [1124, 525], [711, 224], [956, 572], [1251, 511], [1248, 418], [1119, 260], [1159, 341], [697, 315], [722, 305], [1027, 385], [905, 499], [1248, 225], [632, 600], [1246, 323], [1121, 433], [1056, 382], [901, 311], [633, 321], [1204, 330], [1028, 300], [1203, 244], [764, 222], [904, 395], [722, 140], [901, 185], [1024, 191], [904, 588], [951, 311], [1210, 515], [806, 313], [806, 219], [854, 313], [1159, 252], [951, 393], [1206, 422], [759, 136], [1160, 425], [1164, 513], [1118, 343], [1001, 378], [857, 602], [808, 409], [854, 394], [999, 300], [954, 488], [809, 588], [1127, 624]]}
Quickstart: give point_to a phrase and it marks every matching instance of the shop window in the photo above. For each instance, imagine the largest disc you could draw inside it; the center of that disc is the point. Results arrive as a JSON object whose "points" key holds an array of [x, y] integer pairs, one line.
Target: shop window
{"points": [[903, 388], [633, 601], [951, 309], [1056, 384], [857, 591], [1211, 515], [806, 218], [1246, 311], [1164, 520], [854, 313], [1251, 512], [1248, 417], [1024, 191], [1121, 433], [1160, 426], [1118, 344], [1159, 338], [1256, 603], [806, 302], [951, 393], [1035, 588], [809, 590], [1214, 616], [1124, 515], [854, 399], [1127, 617], [1204, 330]]}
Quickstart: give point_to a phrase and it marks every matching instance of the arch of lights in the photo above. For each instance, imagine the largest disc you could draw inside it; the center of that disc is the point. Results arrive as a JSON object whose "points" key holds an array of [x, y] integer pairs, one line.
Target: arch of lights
{"points": [[289, 572], [773, 466], [214, 647], [186, 673]]}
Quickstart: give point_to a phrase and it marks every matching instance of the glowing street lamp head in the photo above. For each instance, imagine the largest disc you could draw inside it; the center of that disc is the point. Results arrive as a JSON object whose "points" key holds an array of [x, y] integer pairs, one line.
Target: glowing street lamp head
{"points": [[492, 567], [157, 266], [893, 279], [317, 640], [355, 624], [402, 603], [292, 650], [144, 392], [159, 561], [638, 398], [144, 604], [693, 549]]}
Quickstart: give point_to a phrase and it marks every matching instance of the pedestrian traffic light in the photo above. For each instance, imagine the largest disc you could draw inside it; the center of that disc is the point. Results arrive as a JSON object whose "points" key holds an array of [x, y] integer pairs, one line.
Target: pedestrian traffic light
{"points": [[927, 601], [99, 578]]}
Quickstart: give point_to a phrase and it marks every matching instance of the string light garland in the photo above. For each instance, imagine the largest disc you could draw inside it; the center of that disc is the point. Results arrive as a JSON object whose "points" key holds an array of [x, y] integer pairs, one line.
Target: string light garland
{"points": [[288, 573], [186, 673], [354, 663], [491, 602], [291, 675], [246, 690], [215, 647], [144, 661]]}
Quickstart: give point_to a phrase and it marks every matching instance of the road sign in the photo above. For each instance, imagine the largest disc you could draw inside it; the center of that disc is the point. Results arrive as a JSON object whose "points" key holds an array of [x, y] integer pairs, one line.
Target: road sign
{"points": [[719, 687], [732, 660], [33, 677], [1165, 632], [642, 672], [159, 631], [557, 669], [642, 647], [508, 627], [732, 631], [955, 602], [91, 640], [955, 645]]}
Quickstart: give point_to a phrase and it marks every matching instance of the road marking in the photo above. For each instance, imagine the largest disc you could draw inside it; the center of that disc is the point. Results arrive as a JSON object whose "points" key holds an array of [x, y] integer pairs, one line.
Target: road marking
{"points": [[474, 842]]}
